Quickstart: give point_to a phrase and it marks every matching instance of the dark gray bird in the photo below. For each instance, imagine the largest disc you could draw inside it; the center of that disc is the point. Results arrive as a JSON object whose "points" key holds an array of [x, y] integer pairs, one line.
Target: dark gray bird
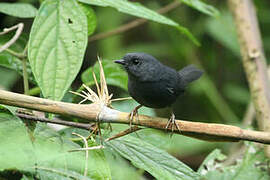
{"points": [[153, 84]]}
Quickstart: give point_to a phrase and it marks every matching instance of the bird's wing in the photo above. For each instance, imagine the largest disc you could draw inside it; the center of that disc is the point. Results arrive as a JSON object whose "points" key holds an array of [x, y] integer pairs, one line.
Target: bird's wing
{"points": [[171, 90]]}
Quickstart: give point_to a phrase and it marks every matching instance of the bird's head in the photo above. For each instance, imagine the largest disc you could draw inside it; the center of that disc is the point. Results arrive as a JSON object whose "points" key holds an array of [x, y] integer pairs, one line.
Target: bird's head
{"points": [[140, 65]]}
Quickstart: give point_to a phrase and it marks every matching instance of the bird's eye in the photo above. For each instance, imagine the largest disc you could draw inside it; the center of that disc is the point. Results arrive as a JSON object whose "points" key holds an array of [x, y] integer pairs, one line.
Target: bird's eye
{"points": [[135, 61]]}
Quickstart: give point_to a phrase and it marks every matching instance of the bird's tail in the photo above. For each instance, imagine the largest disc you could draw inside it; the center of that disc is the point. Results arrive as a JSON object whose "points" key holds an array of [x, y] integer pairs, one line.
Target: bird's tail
{"points": [[190, 73]]}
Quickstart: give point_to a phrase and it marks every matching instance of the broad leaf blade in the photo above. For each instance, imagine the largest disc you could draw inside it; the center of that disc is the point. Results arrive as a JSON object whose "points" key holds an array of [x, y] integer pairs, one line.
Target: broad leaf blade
{"points": [[57, 44], [48, 152], [136, 9], [146, 156], [59, 174], [202, 7], [22, 10]]}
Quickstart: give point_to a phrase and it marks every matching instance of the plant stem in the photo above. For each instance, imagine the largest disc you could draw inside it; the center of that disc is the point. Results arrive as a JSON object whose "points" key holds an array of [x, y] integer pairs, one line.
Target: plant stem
{"points": [[25, 76], [98, 112], [13, 53], [253, 59]]}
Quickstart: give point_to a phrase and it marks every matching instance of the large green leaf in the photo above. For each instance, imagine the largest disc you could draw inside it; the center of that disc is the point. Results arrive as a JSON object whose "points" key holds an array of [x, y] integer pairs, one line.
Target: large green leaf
{"points": [[48, 173], [155, 161], [47, 154], [136, 9], [114, 74], [57, 45], [22, 10], [201, 6]]}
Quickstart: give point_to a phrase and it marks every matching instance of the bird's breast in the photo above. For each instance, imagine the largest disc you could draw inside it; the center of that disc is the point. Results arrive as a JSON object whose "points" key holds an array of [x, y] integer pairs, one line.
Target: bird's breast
{"points": [[151, 94]]}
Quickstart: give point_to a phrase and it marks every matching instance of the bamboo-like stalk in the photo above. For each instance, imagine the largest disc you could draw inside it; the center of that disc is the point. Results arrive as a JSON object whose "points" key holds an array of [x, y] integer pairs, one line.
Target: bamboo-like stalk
{"points": [[95, 111], [253, 59]]}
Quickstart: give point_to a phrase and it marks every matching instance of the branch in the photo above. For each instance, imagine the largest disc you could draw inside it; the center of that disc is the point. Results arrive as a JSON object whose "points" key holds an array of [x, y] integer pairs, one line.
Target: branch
{"points": [[253, 59], [98, 112], [132, 24], [19, 28], [54, 121]]}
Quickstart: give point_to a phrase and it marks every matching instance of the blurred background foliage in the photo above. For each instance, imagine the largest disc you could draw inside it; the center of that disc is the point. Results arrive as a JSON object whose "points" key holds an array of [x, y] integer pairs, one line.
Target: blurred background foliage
{"points": [[220, 96]]}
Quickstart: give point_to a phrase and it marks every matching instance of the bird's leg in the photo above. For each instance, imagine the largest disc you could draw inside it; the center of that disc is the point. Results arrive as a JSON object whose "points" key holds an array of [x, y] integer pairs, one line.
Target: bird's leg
{"points": [[172, 122], [133, 113]]}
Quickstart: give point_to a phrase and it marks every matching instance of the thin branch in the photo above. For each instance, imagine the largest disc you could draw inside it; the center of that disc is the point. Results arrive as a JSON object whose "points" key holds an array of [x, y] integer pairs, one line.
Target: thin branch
{"points": [[13, 53], [253, 59], [86, 149], [123, 133], [86, 152], [19, 28], [93, 112], [132, 24], [55, 121]]}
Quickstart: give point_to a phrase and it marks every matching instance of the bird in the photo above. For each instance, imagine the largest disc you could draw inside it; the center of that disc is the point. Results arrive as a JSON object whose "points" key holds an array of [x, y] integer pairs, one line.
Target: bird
{"points": [[155, 85]]}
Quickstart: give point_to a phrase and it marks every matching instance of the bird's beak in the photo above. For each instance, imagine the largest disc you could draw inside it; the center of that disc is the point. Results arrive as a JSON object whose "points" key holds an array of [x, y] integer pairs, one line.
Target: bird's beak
{"points": [[120, 61]]}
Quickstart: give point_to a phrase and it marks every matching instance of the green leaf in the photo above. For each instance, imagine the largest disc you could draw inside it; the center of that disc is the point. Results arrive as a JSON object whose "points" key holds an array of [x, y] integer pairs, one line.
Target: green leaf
{"points": [[155, 161], [223, 30], [91, 18], [11, 62], [120, 168], [202, 7], [59, 174], [114, 74], [48, 152], [22, 10], [209, 161], [57, 45], [136, 9], [252, 166]]}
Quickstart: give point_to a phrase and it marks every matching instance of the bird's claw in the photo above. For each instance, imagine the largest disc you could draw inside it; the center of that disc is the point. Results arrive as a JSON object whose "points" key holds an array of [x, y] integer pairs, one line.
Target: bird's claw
{"points": [[133, 113], [172, 122]]}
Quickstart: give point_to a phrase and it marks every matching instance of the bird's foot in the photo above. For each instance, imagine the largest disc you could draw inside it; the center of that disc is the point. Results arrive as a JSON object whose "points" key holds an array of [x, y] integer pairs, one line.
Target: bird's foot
{"points": [[133, 113], [172, 123]]}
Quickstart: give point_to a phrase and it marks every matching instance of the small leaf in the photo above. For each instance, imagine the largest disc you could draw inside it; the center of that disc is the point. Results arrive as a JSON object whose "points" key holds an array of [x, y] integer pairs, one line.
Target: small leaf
{"points": [[253, 166], [136, 9], [114, 74], [155, 161], [202, 7], [210, 160], [11, 62], [91, 18], [22, 10], [57, 45]]}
